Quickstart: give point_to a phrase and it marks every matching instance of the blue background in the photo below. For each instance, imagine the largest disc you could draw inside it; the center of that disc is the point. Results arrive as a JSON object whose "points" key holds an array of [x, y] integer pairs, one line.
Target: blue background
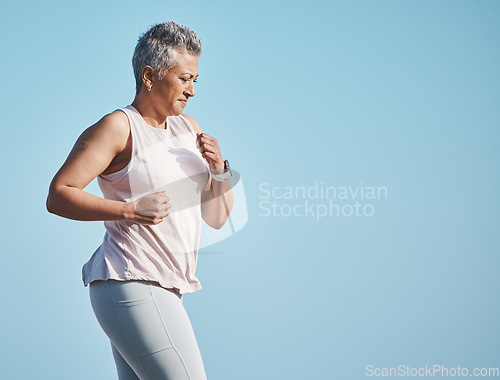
{"points": [[401, 94]]}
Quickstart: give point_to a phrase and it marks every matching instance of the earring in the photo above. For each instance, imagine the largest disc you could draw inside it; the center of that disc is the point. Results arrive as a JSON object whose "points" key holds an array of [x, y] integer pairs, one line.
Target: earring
{"points": [[149, 88]]}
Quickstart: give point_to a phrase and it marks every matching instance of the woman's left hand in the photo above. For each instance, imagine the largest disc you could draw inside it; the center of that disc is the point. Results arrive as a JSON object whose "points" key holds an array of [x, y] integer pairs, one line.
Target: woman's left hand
{"points": [[209, 149]]}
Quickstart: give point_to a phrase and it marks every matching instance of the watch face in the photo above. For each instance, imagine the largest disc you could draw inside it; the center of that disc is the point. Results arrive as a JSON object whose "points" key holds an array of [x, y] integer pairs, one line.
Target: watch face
{"points": [[227, 167]]}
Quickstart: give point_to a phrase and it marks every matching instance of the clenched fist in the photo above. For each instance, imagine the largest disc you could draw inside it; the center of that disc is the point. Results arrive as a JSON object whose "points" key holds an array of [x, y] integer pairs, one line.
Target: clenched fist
{"points": [[152, 208], [209, 149]]}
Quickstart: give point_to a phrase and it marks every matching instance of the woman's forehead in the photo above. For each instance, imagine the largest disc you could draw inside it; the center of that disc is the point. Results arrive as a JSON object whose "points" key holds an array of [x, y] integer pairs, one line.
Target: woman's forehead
{"points": [[186, 62]]}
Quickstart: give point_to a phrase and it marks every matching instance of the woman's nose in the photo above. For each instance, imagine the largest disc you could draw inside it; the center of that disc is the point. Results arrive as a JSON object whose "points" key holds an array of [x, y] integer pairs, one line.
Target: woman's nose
{"points": [[190, 89]]}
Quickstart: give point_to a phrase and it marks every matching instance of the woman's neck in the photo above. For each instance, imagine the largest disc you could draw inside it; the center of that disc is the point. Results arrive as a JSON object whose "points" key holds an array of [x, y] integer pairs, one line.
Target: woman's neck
{"points": [[148, 112]]}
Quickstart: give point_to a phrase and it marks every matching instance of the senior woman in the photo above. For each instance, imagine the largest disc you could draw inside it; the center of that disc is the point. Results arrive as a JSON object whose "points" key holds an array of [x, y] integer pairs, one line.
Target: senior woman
{"points": [[159, 175]]}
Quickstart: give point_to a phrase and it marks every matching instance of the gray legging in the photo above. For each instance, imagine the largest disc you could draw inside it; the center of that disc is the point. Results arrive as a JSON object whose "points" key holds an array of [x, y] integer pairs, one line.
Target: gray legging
{"points": [[150, 332]]}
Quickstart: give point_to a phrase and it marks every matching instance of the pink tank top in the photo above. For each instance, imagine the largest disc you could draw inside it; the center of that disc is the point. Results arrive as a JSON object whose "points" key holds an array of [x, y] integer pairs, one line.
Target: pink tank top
{"points": [[167, 253]]}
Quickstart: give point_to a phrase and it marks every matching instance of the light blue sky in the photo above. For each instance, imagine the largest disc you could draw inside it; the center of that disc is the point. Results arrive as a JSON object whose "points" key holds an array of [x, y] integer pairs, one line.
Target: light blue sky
{"points": [[396, 94]]}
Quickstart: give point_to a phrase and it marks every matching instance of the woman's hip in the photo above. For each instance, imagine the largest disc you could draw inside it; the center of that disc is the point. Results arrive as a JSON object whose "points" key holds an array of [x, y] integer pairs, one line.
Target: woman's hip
{"points": [[142, 320]]}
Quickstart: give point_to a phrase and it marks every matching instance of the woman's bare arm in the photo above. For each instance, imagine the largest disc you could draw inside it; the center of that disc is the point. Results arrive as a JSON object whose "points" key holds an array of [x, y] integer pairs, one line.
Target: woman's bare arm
{"points": [[217, 197], [91, 155]]}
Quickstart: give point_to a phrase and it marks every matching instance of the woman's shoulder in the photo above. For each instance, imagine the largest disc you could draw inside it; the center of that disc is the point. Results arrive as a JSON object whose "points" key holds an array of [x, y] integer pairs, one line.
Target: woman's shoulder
{"points": [[115, 123], [194, 124], [111, 130], [117, 120]]}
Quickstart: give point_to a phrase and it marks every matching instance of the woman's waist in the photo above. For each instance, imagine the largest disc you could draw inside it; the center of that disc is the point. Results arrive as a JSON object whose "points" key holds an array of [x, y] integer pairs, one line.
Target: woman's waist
{"points": [[123, 283], [173, 235]]}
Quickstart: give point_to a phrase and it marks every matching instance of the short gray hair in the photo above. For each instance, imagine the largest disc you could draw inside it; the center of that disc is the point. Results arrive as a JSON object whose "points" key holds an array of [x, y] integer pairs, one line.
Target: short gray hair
{"points": [[158, 47]]}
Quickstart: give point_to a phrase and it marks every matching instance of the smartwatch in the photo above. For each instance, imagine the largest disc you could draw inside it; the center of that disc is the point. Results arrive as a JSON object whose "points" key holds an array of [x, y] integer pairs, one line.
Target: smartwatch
{"points": [[226, 174]]}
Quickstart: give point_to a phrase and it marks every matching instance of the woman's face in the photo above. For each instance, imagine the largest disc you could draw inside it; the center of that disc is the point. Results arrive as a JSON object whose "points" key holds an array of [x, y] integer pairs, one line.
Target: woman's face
{"points": [[177, 86]]}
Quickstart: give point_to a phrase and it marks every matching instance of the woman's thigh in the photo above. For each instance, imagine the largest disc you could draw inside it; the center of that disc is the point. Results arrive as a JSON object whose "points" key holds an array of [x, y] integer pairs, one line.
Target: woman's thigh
{"points": [[149, 327], [125, 372]]}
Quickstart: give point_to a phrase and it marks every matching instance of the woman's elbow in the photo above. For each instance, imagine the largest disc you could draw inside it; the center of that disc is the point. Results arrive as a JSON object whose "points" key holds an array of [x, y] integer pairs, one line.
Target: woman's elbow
{"points": [[49, 203], [52, 200], [216, 224], [48, 206]]}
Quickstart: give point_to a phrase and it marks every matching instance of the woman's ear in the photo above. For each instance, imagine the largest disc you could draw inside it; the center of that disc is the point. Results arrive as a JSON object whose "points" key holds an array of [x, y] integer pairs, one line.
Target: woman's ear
{"points": [[147, 77]]}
